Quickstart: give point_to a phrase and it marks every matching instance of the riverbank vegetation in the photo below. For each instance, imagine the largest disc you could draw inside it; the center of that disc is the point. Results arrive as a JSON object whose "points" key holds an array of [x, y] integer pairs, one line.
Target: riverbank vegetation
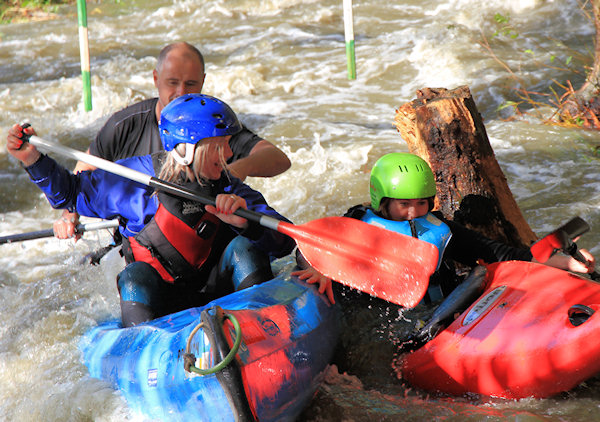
{"points": [[576, 101], [26, 10]]}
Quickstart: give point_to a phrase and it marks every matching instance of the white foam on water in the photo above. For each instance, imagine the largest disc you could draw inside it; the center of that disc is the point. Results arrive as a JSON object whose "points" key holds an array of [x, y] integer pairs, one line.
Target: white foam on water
{"points": [[282, 67]]}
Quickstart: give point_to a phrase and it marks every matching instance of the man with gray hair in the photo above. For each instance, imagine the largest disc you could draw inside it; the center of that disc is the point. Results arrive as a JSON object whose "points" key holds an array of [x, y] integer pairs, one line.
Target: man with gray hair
{"points": [[133, 131]]}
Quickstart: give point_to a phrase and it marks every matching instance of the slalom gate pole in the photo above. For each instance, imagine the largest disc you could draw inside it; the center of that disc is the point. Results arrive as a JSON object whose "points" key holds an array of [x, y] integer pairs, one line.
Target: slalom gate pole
{"points": [[349, 35], [84, 53]]}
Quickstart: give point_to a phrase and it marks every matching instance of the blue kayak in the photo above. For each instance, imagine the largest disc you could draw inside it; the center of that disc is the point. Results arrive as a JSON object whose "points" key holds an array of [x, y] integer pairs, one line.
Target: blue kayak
{"points": [[172, 368]]}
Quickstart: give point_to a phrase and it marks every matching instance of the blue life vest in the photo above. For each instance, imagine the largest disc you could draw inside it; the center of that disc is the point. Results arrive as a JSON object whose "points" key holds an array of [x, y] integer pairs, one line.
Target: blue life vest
{"points": [[428, 228]]}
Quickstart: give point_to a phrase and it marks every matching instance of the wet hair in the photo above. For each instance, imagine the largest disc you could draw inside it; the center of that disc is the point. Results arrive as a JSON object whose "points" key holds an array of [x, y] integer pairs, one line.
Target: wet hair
{"points": [[166, 50], [174, 172]]}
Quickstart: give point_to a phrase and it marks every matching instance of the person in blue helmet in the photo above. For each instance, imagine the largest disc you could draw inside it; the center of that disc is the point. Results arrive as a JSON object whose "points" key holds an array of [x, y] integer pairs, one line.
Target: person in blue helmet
{"points": [[179, 253], [133, 131]]}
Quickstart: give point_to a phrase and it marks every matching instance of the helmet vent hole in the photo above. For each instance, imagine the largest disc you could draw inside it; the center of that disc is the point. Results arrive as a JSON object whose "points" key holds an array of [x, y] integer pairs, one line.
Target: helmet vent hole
{"points": [[188, 99], [221, 126]]}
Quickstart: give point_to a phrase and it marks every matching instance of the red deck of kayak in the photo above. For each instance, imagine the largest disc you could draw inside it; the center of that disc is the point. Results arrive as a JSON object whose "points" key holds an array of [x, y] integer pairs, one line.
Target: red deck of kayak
{"points": [[517, 341]]}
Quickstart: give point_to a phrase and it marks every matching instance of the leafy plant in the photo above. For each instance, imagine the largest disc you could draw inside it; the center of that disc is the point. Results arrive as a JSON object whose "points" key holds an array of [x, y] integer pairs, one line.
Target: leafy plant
{"points": [[17, 10], [531, 102]]}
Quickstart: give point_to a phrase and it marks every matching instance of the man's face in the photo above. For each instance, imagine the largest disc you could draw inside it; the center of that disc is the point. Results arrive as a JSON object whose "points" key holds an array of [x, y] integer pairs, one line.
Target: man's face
{"points": [[181, 73]]}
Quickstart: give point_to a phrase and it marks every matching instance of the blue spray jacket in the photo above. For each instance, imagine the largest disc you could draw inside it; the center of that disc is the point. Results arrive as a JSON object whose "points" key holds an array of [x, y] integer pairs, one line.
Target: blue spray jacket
{"points": [[105, 195]]}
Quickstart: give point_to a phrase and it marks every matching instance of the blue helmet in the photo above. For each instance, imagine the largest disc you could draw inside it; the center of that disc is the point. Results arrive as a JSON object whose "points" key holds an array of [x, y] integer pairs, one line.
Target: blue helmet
{"points": [[193, 117]]}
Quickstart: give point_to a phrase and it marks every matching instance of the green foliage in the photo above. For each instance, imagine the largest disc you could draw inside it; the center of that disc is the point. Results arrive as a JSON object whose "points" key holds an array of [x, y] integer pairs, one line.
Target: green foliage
{"points": [[507, 104], [534, 56], [40, 3], [26, 10], [506, 28], [11, 10]]}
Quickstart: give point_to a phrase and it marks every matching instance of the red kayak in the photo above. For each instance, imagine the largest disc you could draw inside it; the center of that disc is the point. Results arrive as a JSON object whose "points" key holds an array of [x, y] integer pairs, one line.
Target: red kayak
{"points": [[534, 332]]}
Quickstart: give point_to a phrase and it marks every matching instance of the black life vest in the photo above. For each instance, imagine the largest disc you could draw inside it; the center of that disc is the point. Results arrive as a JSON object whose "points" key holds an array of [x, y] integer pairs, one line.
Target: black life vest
{"points": [[177, 241], [179, 238]]}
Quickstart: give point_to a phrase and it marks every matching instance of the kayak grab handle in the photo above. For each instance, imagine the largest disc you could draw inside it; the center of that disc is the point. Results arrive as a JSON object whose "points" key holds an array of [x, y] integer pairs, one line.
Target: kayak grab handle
{"points": [[189, 359], [578, 314]]}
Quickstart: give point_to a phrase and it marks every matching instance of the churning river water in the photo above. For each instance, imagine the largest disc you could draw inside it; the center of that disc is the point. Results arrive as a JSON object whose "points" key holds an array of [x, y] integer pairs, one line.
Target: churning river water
{"points": [[281, 65]]}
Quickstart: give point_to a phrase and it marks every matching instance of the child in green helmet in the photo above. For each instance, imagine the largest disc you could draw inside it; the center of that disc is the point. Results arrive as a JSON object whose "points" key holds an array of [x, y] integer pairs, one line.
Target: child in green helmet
{"points": [[402, 188]]}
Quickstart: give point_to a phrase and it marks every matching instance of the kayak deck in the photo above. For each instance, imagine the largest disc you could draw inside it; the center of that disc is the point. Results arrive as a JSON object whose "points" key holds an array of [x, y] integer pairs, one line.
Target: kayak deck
{"points": [[521, 338], [288, 331]]}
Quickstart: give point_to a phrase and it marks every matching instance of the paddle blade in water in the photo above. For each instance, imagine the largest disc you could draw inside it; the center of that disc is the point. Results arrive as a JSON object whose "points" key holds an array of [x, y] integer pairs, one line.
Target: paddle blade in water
{"points": [[385, 264]]}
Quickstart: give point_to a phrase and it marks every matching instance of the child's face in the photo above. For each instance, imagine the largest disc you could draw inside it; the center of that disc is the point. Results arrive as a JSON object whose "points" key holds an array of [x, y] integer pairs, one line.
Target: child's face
{"points": [[216, 153], [407, 209]]}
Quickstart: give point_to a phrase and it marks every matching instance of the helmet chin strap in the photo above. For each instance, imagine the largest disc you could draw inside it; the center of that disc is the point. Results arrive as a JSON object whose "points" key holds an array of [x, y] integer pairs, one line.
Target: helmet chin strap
{"points": [[189, 154]]}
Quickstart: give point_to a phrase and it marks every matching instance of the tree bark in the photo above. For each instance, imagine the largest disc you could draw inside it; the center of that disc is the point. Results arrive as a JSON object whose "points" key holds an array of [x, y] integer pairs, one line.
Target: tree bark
{"points": [[444, 128]]}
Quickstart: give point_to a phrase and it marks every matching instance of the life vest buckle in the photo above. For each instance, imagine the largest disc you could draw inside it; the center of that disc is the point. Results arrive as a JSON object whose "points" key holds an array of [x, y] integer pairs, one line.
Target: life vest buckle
{"points": [[206, 229]]}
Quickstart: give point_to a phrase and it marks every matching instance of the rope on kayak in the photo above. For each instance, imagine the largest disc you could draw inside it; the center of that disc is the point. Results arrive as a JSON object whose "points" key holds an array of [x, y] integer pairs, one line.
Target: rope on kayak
{"points": [[189, 359]]}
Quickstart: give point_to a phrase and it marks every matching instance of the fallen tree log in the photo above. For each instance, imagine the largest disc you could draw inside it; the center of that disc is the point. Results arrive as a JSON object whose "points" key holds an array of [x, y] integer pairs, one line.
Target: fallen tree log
{"points": [[444, 127]]}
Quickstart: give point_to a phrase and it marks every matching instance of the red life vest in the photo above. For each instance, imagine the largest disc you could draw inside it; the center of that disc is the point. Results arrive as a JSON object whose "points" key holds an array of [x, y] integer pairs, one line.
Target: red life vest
{"points": [[178, 239]]}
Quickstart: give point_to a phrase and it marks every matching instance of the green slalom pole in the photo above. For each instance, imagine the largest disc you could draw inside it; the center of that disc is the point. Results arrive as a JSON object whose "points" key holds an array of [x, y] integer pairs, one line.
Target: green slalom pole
{"points": [[349, 33], [84, 52]]}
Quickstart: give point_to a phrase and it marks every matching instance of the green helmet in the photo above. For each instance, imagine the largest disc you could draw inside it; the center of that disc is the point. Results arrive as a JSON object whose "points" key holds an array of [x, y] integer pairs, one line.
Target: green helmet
{"points": [[400, 175]]}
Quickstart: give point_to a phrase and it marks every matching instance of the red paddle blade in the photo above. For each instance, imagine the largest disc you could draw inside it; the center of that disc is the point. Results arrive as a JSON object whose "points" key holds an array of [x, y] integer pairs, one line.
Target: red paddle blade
{"points": [[560, 239], [547, 246], [385, 264]]}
